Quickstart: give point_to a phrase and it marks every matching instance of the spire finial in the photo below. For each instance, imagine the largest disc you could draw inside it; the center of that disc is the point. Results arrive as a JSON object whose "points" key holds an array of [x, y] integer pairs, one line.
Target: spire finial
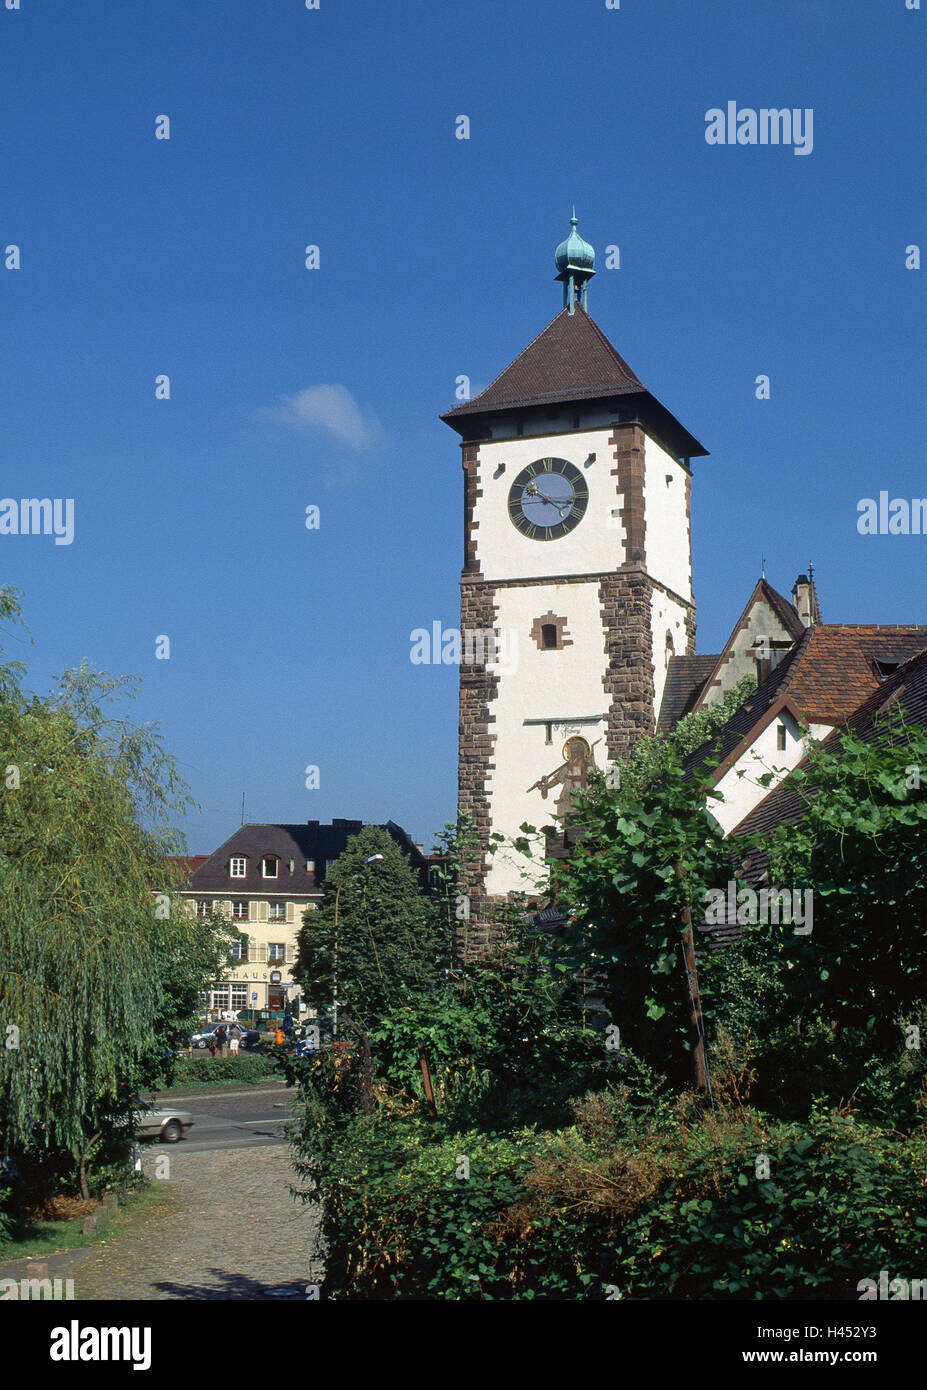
{"points": [[575, 260]]}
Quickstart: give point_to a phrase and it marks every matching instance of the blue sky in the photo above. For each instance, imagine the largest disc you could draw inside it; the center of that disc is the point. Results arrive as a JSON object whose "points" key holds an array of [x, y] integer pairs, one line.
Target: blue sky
{"points": [[336, 127]]}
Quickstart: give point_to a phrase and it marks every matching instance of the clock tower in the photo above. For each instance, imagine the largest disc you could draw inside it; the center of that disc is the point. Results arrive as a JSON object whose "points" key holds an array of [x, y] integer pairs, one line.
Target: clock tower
{"points": [[577, 581]]}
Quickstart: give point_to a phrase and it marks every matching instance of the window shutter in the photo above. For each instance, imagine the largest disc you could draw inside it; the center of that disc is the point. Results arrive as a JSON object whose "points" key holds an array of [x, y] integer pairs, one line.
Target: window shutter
{"points": [[262, 912], [289, 912]]}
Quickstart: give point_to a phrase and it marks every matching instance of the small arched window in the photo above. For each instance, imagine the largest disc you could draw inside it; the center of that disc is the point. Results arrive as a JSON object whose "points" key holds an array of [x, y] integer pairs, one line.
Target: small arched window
{"points": [[549, 636], [670, 650]]}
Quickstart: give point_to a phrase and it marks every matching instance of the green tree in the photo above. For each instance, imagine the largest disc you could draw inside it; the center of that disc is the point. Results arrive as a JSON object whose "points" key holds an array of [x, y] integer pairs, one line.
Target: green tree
{"points": [[457, 843], [643, 863], [391, 943]]}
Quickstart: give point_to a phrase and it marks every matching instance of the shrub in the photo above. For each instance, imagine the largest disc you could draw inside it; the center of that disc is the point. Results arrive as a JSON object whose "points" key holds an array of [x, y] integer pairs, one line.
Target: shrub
{"points": [[245, 1067], [625, 1204]]}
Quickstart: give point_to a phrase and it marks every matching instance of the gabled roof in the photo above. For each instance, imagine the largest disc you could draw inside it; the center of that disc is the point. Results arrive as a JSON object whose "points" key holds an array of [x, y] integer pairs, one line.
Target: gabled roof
{"points": [[572, 360], [784, 611], [725, 745], [823, 680], [685, 680], [906, 688]]}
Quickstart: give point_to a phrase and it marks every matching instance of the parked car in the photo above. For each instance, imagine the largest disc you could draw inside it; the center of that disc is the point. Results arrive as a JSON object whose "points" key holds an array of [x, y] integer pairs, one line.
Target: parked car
{"points": [[205, 1037], [162, 1122]]}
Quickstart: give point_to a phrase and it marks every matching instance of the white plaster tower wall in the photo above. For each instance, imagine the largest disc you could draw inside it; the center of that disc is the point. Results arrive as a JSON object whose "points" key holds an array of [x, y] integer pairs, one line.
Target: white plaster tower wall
{"points": [[597, 543], [669, 551], [540, 688]]}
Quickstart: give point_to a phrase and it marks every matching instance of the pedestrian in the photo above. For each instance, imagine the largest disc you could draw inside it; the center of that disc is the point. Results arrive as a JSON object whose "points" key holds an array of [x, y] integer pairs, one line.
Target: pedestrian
{"points": [[235, 1036], [278, 1037], [222, 1040]]}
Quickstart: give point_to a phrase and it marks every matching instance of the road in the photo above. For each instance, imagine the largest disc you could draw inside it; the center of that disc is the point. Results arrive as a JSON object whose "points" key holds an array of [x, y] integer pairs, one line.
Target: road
{"points": [[231, 1120]]}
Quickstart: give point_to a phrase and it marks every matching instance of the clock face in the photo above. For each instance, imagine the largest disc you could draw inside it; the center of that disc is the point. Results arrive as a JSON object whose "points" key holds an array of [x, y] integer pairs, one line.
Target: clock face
{"points": [[547, 499]]}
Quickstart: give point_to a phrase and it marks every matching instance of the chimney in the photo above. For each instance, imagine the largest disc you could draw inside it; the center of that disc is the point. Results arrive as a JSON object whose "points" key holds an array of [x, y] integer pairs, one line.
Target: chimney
{"points": [[805, 599]]}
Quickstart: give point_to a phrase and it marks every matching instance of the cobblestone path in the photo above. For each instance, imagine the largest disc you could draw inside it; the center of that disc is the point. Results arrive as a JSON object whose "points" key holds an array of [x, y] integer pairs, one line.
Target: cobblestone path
{"points": [[226, 1228]]}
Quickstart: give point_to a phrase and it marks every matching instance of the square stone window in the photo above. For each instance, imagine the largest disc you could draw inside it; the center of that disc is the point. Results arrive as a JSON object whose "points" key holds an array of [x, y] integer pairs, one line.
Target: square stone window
{"points": [[550, 633]]}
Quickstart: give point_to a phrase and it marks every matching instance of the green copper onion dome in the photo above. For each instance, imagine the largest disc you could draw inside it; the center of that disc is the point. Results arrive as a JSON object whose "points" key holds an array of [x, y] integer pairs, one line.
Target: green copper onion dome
{"points": [[574, 253], [575, 266]]}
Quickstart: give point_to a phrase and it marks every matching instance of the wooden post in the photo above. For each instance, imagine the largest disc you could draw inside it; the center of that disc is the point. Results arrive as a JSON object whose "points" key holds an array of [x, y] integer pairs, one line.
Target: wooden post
{"points": [[696, 1030], [426, 1078]]}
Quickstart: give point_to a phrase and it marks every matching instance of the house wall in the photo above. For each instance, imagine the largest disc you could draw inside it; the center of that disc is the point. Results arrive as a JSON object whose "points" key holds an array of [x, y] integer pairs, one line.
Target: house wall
{"points": [[739, 786], [762, 622], [261, 932]]}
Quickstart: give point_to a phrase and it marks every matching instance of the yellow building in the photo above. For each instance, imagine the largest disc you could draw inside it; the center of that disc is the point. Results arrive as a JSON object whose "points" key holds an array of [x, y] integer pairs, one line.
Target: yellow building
{"points": [[263, 878]]}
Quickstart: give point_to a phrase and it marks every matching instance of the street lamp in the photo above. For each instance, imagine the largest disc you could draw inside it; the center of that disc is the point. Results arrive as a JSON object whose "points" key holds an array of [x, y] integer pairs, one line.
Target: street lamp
{"points": [[373, 859]]}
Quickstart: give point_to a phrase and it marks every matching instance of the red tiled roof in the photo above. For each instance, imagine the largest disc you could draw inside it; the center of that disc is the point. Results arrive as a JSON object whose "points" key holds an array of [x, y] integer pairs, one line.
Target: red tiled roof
{"points": [[824, 679], [785, 805], [183, 865], [835, 672]]}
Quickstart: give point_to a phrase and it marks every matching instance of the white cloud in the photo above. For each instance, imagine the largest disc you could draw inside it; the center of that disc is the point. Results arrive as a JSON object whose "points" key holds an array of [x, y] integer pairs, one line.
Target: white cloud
{"points": [[332, 409]]}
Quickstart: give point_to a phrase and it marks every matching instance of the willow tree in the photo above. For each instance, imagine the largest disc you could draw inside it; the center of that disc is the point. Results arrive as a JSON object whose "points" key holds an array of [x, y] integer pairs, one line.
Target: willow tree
{"points": [[98, 958]]}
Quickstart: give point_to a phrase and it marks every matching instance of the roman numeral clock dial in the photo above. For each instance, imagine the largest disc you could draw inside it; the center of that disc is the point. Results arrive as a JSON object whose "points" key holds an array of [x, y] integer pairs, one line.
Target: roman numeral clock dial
{"points": [[548, 499]]}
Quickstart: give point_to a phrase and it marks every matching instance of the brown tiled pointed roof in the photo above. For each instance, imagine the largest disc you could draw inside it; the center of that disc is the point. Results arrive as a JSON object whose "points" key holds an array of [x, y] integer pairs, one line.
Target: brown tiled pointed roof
{"points": [[824, 679], [572, 360]]}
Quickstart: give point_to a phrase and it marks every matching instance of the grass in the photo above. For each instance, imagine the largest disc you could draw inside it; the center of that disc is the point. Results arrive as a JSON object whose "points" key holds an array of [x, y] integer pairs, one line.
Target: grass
{"points": [[30, 1239]]}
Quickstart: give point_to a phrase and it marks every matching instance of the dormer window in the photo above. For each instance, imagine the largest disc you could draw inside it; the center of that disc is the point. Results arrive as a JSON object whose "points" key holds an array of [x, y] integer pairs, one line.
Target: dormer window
{"points": [[238, 866], [269, 866]]}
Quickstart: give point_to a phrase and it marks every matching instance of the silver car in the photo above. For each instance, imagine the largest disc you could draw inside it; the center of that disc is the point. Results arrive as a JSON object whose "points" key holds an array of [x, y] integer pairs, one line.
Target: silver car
{"points": [[164, 1123]]}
